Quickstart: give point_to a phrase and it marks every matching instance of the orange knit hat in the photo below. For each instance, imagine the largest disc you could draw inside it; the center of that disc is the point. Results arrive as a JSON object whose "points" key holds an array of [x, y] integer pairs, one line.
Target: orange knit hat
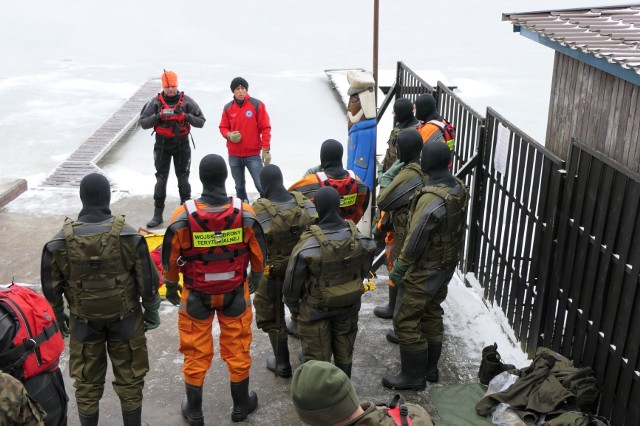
{"points": [[169, 78]]}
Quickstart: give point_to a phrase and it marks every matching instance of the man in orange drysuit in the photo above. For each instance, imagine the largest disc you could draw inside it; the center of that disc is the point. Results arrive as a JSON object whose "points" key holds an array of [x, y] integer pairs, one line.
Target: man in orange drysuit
{"points": [[211, 241]]}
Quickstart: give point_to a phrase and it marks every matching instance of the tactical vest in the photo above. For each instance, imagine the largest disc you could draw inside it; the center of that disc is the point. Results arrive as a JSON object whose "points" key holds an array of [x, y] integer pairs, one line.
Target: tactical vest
{"points": [[37, 344], [336, 274], [168, 127], [400, 192], [100, 286], [348, 190], [284, 231], [447, 237], [218, 258]]}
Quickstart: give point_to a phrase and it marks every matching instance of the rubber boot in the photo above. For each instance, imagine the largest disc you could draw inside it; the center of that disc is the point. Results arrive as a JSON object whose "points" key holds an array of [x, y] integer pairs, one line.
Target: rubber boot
{"points": [[89, 419], [244, 402], [292, 328], [412, 371], [279, 361], [191, 406], [433, 356], [346, 368], [156, 219], [392, 336], [133, 418], [386, 312]]}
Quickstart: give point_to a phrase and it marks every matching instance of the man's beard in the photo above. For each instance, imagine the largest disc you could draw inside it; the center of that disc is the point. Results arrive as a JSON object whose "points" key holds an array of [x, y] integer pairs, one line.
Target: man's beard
{"points": [[355, 118]]}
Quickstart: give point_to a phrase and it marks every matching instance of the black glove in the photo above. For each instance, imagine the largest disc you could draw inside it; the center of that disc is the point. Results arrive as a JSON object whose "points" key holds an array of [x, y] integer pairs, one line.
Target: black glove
{"points": [[173, 292], [254, 281], [151, 316], [63, 320]]}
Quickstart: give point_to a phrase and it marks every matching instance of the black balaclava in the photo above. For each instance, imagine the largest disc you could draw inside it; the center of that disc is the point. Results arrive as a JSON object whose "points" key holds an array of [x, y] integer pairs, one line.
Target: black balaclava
{"points": [[327, 201], [331, 159], [272, 184], [435, 163], [95, 194], [213, 174], [426, 108], [409, 144], [403, 108]]}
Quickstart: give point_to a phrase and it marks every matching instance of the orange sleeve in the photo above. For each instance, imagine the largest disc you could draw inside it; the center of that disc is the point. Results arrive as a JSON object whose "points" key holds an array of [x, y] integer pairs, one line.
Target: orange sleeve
{"points": [[426, 130], [256, 255]]}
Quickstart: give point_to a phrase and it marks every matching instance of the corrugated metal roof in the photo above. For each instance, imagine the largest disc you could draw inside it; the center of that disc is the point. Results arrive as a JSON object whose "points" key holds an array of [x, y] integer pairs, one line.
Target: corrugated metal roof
{"points": [[611, 33]]}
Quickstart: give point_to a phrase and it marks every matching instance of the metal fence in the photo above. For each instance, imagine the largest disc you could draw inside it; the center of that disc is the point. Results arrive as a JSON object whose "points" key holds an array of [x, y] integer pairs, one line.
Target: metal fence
{"points": [[558, 252]]}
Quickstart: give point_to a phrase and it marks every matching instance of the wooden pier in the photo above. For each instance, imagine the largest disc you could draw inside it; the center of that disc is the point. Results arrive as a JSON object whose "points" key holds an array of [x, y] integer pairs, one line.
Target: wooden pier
{"points": [[120, 125]]}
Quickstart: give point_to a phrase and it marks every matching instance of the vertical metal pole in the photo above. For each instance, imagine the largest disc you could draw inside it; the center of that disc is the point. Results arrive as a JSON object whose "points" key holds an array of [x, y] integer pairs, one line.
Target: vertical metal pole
{"points": [[376, 14]]}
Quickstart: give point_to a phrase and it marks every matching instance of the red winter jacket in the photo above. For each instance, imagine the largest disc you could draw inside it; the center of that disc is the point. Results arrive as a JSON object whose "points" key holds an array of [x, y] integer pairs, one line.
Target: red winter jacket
{"points": [[252, 121]]}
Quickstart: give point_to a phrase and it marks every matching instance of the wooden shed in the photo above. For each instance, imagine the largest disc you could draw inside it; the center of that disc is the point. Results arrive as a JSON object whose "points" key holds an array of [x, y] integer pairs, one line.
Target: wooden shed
{"points": [[595, 89]]}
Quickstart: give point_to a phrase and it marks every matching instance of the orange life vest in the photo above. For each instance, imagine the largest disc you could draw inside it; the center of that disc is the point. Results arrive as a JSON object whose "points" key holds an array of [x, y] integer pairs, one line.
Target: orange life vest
{"points": [[218, 258], [167, 126]]}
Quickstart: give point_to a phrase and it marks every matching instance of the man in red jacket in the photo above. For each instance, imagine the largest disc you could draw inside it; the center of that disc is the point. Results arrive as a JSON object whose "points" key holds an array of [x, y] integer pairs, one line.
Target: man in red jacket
{"points": [[246, 126]]}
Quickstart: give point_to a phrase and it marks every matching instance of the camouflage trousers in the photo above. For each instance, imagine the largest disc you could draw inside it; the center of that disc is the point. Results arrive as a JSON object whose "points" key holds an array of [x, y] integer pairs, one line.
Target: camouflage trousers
{"points": [[418, 320], [126, 345], [325, 337], [269, 306]]}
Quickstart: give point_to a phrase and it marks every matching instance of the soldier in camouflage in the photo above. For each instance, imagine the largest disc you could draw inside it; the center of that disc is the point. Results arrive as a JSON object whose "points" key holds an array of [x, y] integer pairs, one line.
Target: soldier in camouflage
{"points": [[323, 282], [423, 270], [103, 268], [284, 216]]}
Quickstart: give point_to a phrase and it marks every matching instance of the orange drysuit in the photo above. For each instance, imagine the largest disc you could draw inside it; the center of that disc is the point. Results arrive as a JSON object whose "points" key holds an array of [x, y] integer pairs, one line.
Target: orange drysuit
{"points": [[198, 307], [309, 184]]}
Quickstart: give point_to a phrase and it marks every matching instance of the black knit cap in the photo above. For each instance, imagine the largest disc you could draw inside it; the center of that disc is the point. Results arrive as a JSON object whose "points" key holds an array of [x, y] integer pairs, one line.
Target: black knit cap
{"points": [[239, 81]]}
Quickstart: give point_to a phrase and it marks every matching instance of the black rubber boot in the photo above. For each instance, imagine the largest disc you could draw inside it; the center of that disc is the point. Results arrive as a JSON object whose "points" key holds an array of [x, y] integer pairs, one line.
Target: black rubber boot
{"points": [[244, 402], [156, 219], [292, 328], [491, 364], [346, 368], [191, 406], [412, 372], [89, 419], [433, 356], [386, 312], [133, 418], [392, 336], [279, 361]]}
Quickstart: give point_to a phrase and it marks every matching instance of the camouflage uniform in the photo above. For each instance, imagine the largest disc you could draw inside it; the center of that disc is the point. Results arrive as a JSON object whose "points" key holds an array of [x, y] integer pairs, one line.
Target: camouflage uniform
{"points": [[16, 406], [297, 215], [379, 415], [431, 251], [328, 311], [103, 321]]}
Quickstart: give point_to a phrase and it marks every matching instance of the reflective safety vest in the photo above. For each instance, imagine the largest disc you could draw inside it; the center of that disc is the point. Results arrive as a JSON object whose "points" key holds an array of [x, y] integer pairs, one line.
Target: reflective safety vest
{"points": [[100, 286], [348, 190], [37, 344], [218, 258], [167, 126], [336, 274]]}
